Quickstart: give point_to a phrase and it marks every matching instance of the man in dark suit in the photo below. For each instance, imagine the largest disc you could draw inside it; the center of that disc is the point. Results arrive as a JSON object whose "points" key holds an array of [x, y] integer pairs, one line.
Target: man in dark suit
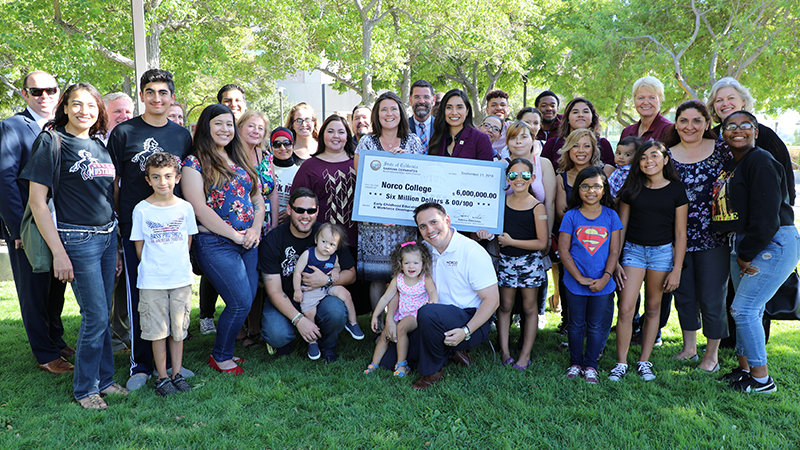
{"points": [[421, 101], [41, 297]]}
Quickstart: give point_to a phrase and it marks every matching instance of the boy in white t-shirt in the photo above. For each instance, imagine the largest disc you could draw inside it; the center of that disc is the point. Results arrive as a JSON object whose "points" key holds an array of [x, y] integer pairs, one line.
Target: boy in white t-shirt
{"points": [[162, 230]]}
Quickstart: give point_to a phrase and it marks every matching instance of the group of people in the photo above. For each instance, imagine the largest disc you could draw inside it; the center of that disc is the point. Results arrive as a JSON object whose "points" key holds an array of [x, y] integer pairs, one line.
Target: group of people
{"points": [[687, 208]]}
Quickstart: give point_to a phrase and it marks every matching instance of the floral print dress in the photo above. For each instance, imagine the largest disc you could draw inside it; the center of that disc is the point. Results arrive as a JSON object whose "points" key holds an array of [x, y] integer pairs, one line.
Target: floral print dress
{"points": [[231, 201]]}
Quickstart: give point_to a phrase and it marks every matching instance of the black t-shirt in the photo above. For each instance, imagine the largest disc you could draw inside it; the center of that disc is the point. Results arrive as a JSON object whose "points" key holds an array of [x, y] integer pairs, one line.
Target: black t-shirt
{"points": [[280, 250], [130, 144], [85, 192], [652, 218]]}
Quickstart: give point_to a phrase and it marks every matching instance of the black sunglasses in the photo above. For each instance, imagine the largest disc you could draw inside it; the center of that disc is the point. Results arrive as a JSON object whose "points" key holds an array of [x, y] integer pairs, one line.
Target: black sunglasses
{"points": [[300, 210], [276, 144], [37, 92]]}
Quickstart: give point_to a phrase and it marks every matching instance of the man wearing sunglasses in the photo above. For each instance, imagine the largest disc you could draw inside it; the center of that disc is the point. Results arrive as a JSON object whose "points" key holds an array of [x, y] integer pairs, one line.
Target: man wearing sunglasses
{"points": [[277, 258], [41, 297]]}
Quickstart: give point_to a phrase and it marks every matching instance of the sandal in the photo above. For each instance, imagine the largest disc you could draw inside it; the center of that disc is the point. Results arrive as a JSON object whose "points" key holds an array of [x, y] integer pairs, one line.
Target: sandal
{"points": [[371, 368], [115, 389], [399, 366], [251, 341], [93, 401], [509, 361]]}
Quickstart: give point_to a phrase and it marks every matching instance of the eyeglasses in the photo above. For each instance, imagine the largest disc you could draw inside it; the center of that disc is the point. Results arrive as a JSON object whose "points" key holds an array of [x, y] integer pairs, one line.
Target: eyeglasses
{"points": [[513, 175], [744, 126], [490, 127], [300, 121], [37, 92], [300, 210], [590, 187], [276, 144]]}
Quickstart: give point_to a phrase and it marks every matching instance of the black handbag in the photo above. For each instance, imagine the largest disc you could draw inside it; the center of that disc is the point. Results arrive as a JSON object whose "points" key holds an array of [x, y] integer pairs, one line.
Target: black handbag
{"points": [[36, 249], [785, 304]]}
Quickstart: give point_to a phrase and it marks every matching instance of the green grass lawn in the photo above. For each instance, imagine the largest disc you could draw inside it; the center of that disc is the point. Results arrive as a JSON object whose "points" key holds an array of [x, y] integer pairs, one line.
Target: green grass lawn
{"points": [[297, 403]]}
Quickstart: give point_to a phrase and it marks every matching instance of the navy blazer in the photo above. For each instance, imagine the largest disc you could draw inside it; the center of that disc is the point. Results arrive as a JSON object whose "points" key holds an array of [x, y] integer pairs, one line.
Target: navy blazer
{"points": [[412, 125], [17, 134], [472, 143]]}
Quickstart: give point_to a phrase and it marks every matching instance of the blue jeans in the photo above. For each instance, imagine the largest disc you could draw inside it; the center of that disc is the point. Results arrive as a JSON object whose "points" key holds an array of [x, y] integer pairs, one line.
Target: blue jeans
{"points": [[589, 318], [278, 330], [93, 254], [774, 263], [232, 269]]}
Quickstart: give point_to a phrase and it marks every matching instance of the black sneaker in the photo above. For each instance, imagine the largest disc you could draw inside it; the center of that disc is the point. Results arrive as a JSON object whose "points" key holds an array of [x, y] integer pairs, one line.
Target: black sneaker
{"points": [[748, 384], [164, 387], [734, 375], [181, 384]]}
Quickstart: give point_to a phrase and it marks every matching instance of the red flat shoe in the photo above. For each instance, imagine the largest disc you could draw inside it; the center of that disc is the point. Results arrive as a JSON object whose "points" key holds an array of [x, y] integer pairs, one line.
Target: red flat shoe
{"points": [[233, 371]]}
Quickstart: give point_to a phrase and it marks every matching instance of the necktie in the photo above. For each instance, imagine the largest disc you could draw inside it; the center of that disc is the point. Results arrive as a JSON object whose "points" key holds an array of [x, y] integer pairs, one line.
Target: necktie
{"points": [[423, 137]]}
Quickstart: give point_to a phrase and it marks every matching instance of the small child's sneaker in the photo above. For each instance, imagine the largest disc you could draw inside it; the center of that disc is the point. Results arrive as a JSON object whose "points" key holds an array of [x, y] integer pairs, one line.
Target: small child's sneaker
{"points": [[618, 372], [590, 374], [164, 387], [645, 370], [181, 384], [749, 384], [574, 371], [354, 331], [313, 351]]}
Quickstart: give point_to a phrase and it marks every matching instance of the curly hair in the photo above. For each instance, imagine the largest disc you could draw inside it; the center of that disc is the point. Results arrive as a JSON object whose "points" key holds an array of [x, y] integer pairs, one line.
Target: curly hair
{"points": [[411, 247], [566, 163]]}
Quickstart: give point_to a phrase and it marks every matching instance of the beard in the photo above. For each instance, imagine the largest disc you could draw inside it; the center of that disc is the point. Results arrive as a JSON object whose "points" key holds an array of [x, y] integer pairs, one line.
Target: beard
{"points": [[363, 130], [422, 110]]}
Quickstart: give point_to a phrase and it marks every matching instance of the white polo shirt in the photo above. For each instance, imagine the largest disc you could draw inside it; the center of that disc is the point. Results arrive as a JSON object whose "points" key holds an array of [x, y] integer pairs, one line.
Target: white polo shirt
{"points": [[461, 271]]}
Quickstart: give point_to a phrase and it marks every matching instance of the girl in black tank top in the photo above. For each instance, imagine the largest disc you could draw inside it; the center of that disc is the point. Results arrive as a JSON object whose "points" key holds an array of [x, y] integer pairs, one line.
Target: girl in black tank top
{"points": [[524, 237]]}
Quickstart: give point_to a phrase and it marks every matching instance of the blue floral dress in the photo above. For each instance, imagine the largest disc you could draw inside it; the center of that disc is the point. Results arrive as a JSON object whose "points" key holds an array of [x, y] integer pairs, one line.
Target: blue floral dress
{"points": [[267, 179], [231, 201]]}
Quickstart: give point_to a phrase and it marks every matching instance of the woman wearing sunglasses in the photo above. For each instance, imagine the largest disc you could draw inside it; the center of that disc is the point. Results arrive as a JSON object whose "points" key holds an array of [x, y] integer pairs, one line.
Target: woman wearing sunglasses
{"points": [[286, 164], [302, 121], [223, 187], [751, 201]]}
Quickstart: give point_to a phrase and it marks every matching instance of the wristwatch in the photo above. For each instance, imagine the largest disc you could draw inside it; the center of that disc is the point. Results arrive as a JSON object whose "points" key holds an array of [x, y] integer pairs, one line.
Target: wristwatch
{"points": [[330, 282], [467, 333]]}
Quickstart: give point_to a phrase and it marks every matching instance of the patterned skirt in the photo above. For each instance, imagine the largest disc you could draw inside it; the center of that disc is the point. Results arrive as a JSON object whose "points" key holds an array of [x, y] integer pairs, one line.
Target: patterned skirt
{"points": [[375, 244]]}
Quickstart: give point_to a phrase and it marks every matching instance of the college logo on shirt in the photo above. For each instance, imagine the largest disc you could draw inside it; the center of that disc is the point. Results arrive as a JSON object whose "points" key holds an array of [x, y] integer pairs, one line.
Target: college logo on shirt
{"points": [[150, 146], [90, 168], [592, 238], [451, 263]]}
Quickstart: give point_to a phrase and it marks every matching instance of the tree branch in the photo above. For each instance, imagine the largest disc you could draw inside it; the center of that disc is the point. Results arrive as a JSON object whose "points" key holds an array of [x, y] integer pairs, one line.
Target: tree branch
{"points": [[349, 83], [71, 29], [15, 89]]}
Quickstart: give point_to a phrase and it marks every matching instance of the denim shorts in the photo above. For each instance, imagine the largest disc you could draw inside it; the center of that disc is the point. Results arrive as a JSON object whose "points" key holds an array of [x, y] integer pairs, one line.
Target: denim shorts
{"points": [[658, 257]]}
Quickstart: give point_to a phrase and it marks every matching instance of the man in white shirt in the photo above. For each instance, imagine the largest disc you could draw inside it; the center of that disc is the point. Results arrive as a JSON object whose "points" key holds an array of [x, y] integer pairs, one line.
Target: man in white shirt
{"points": [[468, 296], [422, 99]]}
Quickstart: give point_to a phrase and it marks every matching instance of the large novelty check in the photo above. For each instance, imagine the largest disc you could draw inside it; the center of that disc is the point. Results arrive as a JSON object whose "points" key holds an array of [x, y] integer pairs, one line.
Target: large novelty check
{"points": [[389, 187]]}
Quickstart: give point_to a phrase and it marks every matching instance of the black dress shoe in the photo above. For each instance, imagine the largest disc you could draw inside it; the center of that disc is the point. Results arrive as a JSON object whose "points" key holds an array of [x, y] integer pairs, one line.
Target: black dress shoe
{"points": [[427, 381], [67, 352]]}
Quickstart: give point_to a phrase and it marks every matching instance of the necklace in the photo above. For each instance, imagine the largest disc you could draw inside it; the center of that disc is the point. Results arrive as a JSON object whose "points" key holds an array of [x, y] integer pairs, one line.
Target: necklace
{"points": [[389, 146]]}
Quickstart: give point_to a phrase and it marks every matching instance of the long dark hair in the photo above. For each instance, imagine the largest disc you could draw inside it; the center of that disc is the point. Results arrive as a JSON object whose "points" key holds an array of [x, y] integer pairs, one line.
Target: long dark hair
{"points": [[672, 138], [216, 171], [61, 119], [575, 200], [402, 128], [349, 146], [440, 127], [565, 128], [637, 180]]}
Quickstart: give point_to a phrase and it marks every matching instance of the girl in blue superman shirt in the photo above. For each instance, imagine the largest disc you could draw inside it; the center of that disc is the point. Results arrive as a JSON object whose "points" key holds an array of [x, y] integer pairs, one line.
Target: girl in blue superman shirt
{"points": [[589, 244]]}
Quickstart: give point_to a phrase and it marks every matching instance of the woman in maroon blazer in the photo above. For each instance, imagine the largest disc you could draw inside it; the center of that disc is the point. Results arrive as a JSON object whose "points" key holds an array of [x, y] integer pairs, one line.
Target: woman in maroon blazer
{"points": [[454, 134]]}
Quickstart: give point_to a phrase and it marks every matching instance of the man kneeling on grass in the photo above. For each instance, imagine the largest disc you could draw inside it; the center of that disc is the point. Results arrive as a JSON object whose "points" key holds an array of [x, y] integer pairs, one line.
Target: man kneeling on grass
{"points": [[161, 232], [468, 296]]}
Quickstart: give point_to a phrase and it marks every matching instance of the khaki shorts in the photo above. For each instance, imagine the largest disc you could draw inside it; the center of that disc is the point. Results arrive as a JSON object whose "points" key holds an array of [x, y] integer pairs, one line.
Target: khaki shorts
{"points": [[165, 312]]}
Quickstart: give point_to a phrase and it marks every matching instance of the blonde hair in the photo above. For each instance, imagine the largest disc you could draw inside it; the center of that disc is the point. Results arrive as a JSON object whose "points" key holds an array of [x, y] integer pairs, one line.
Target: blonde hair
{"points": [[566, 163], [652, 84], [250, 113]]}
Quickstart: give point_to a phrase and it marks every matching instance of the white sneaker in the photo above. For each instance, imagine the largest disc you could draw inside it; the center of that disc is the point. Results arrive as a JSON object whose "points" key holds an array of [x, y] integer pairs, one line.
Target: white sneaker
{"points": [[542, 321], [207, 326]]}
